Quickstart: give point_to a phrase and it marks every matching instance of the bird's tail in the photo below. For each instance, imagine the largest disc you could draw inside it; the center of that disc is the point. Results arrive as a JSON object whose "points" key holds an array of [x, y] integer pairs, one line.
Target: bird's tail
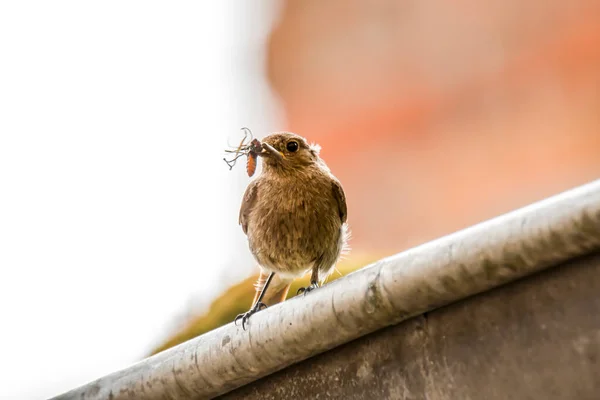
{"points": [[277, 290]]}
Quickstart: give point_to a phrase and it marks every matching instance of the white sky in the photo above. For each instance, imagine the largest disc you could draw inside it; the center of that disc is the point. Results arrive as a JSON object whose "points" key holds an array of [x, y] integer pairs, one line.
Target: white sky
{"points": [[117, 213]]}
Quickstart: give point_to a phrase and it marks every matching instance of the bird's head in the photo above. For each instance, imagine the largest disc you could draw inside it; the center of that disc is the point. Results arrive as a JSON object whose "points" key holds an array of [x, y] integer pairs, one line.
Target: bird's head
{"points": [[286, 151]]}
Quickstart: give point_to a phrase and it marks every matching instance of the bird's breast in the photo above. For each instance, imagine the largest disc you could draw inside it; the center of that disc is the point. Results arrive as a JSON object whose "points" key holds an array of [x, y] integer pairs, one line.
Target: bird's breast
{"points": [[292, 225]]}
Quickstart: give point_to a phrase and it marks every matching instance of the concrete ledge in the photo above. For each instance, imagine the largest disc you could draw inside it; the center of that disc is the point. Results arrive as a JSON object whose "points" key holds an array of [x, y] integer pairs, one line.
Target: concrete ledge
{"points": [[392, 290], [537, 338]]}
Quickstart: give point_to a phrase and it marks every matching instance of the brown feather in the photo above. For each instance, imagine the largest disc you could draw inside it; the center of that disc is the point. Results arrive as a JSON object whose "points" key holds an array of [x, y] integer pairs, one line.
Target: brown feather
{"points": [[340, 198], [247, 203]]}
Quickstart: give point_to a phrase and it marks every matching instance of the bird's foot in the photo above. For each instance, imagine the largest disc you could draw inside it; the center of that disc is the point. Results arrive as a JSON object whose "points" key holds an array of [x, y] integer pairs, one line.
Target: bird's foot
{"points": [[305, 290], [246, 316]]}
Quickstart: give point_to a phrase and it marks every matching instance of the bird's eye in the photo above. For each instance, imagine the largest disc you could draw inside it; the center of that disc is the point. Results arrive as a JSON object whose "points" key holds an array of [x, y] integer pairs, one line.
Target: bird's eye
{"points": [[292, 146]]}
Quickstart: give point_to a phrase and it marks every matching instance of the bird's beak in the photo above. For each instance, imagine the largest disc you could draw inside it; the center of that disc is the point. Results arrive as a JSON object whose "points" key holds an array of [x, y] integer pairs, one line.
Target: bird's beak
{"points": [[269, 151]]}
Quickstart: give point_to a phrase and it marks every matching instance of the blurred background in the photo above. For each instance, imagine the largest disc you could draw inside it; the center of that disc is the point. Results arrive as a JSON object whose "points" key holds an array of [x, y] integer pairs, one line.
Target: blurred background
{"points": [[118, 217]]}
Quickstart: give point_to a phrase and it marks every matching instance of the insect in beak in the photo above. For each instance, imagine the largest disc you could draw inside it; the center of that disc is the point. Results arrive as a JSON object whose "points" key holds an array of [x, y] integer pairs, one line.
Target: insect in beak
{"points": [[251, 150], [255, 148]]}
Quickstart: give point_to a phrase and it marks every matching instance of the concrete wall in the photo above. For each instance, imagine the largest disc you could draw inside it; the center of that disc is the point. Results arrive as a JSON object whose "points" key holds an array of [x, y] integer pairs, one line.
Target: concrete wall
{"points": [[538, 338]]}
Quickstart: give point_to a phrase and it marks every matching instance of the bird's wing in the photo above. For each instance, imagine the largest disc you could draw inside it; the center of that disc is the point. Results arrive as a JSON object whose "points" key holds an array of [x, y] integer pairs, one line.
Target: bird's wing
{"points": [[340, 197], [247, 204]]}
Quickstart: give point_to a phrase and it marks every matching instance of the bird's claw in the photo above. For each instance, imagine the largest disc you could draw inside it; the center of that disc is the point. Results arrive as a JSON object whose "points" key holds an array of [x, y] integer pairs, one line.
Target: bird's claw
{"points": [[305, 290], [246, 316]]}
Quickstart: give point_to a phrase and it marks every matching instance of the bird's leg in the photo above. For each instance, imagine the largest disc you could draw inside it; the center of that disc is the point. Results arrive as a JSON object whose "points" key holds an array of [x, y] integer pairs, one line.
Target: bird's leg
{"points": [[314, 281], [257, 306]]}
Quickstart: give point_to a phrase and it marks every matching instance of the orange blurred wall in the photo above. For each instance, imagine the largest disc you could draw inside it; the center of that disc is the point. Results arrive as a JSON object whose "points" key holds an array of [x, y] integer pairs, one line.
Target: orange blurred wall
{"points": [[439, 114]]}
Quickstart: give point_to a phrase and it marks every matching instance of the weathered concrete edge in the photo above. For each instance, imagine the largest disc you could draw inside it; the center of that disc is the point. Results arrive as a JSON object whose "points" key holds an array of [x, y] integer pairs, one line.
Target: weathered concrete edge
{"points": [[531, 339], [429, 276]]}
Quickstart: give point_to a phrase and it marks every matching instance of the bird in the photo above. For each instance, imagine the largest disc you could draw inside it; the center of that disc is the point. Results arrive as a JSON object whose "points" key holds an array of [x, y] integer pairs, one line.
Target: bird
{"points": [[294, 215]]}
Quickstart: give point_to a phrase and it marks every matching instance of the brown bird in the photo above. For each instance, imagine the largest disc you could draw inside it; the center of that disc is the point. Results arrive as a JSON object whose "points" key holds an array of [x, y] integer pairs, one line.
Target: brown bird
{"points": [[294, 215]]}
